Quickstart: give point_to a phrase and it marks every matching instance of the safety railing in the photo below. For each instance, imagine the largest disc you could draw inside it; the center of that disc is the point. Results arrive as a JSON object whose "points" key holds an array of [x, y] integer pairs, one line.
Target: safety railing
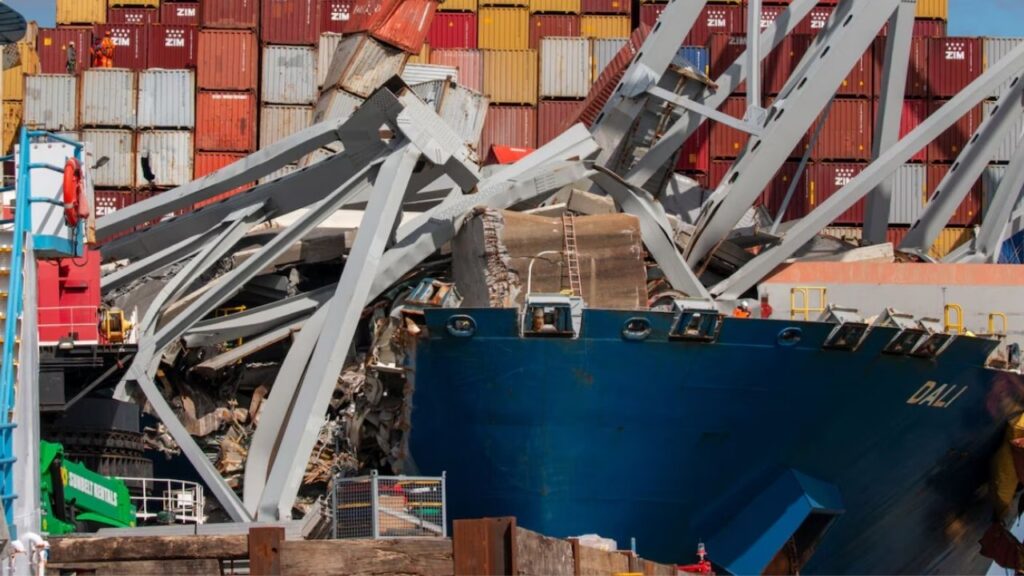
{"points": [[389, 507], [992, 323], [76, 319], [167, 501], [953, 319], [803, 307]]}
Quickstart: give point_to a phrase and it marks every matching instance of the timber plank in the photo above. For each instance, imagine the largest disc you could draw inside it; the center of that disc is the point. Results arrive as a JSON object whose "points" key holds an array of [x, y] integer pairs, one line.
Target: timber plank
{"points": [[591, 561], [181, 567], [124, 548], [542, 556], [406, 557]]}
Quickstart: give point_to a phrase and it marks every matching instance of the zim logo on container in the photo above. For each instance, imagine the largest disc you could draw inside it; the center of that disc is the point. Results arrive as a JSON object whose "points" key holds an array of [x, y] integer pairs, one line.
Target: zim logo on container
{"points": [[843, 176], [716, 19], [936, 395], [955, 51], [339, 14], [186, 12], [175, 39]]}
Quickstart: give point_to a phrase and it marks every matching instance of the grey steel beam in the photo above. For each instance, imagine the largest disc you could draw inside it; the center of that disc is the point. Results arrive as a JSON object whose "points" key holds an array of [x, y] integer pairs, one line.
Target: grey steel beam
{"points": [[994, 227], [890, 112], [964, 173], [838, 47], [798, 236], [657, 234], [804, 160], [156, 261], [332, 347], [706, 111], [734, 75], [753, 53]]}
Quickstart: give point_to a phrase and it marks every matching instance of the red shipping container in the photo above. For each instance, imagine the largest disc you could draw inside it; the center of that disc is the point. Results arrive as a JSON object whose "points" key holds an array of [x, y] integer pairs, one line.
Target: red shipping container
{"points": [[407, 26], [69, 299], [917, 70], [649, 13], [228, 60], [52, 43], [860, 81], [510, 126], [923, 28], [769, 14], [950, 143], [226, 121], [290, 22], [781, 62], [230, 14], [210, 162], [108, 201], [695, 155], [969, 211], [334, 14], [130, 41], [728, 142], [773, 195], [544, 25], [815, 21], [824, 179], [723, 50], [468, 62], [605, 84], [700, 177], [172, 46], [716, 19], [179, 13], [914, 112], [953, 63], [551, 116], [606, 6], [847, 132], [453, 30], [133, 16], [366, 14]]}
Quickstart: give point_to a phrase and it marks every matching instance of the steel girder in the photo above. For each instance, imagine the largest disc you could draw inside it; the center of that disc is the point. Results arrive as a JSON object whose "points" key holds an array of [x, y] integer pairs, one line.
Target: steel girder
{"points": [[797, 236], [989, 241], [890, 112], [962, 175], [851, 29], [158, 260]]}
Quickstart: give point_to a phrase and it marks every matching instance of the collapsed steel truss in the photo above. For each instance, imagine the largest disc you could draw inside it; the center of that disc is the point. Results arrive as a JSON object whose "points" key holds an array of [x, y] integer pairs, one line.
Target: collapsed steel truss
{"points": [[394, 149]]}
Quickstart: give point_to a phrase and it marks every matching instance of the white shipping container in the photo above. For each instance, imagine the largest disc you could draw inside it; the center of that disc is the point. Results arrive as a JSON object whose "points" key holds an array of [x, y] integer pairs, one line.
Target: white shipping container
{"points": [[909, 185], [419, 73], [277, 122], [461, 108], [289, 75], [325, 53], [119, 147], [362, 64], [167, 98], [603, 51], [564, 67], [993, 49], [334, 104], [51, 102], [1008, 145], [170, 157], [108, 98]]}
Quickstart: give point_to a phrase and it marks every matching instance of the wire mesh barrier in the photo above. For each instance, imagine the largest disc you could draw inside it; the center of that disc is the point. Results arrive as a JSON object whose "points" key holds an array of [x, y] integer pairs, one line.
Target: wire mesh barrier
{"points": [[167, 501], [390, 507]]}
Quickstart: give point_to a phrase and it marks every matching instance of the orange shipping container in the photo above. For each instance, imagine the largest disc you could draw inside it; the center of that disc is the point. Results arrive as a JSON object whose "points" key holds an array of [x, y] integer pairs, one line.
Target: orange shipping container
{"points": [[510, 76], [226, 121], [208, 163], [290, 22], [604, 26], [228, 60], [406, 27]]}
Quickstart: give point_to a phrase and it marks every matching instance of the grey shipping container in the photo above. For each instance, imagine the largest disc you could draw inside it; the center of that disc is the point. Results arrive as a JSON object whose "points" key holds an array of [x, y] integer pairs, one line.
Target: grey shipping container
{"points": [[108, 97], [990, 180], [420, 73], [277, 122], [603, 51], [325, 53], [334, 104], [51, 102], [119, 147], [564, 67], [289, 75], [170, 157], [361, 64], [167, 99], [461, 108], [993, 50], [909, 193], [1008, 145]]}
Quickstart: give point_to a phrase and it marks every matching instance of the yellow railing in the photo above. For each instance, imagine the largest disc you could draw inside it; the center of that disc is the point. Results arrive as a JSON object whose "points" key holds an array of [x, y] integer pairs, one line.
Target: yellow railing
{"points": [[949, 325], [227, 311], [992, 323], [806, 307]]}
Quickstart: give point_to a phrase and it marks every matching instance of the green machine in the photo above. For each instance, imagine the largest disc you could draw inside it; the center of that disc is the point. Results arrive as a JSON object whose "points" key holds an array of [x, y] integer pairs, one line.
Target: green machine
{"points": [[76, 499]]}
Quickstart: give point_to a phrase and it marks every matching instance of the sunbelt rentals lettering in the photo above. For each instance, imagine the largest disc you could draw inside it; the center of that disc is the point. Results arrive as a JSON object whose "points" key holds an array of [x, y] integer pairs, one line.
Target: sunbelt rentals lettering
{"points": [[91, 488]]}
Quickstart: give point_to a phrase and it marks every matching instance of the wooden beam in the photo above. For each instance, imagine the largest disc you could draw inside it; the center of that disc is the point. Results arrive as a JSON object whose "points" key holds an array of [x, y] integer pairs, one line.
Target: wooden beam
{"points": [[180, 567], [406, 556], [124, 548], [538, 554], [264, 550]]}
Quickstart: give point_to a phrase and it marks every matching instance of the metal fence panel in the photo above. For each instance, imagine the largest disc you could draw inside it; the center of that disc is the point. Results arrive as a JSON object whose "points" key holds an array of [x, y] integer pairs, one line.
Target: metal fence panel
{"points": [[390, 507]]}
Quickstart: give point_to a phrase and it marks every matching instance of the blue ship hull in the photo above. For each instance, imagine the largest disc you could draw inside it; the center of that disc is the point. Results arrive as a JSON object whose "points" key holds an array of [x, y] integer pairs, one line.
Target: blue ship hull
{"points": [[671, 442]]}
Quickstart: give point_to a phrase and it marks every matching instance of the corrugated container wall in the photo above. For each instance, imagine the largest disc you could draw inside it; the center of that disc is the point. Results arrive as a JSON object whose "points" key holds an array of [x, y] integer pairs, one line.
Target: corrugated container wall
{"points": [[510, 76], [715, 19], [509, 126], [847, 132], [138, 3], [366, 14], [325, 53], [544, 25], [144, 16], [407, 26], [990, 180], [824, 179], [458, 6], [179, 13], [335, 103], [697, 55], [52, 45], [932, 9], [81, 11], [815, 21], [277, 122], [555, 6], [414, 74], [606, 6], [782, 61], [292, 22], [170, 157], [602, 51], [208, 163], [604, 26], [552, 116], [604, 85], [950, 239], [564, 67], [453, 30], [994, 49], [504, 29], [14, 77], [173, 47], [914, 112], [289, 75], [51, 102], [334, 14], [362, 64], [1009, 143], [917, 70], [728, 142], [950, 143], [13, 114], [469, 63], [109, 201], [227, 60], [119, 147], [969, 211], [167, 99], [108, 98], [695, 155], [230, 14], [909, 186], [131, 43], [953, 63], [226, 122]]}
